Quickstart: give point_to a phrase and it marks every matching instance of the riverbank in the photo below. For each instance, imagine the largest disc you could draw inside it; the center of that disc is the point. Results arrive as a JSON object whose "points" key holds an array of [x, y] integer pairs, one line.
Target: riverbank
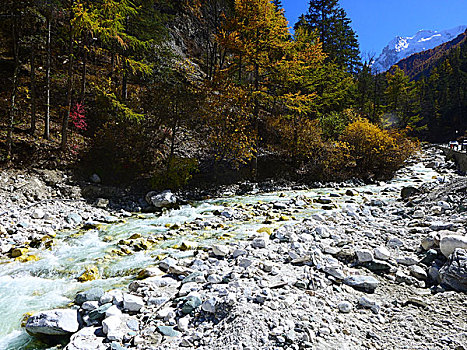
{"points": [[353, 267]]}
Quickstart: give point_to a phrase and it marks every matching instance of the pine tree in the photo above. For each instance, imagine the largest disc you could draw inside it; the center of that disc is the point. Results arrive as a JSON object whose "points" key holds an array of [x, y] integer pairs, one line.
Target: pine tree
{"points": [[334, 30]]}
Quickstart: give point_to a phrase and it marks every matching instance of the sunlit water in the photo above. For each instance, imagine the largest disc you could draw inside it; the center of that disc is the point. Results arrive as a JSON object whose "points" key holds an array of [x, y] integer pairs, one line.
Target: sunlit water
{"points": [[51, 281]]}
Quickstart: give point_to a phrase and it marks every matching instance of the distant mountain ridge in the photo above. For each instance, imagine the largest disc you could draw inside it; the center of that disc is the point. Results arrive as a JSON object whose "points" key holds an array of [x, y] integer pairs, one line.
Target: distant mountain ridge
{"points": [[403, 47], [421, 64]]}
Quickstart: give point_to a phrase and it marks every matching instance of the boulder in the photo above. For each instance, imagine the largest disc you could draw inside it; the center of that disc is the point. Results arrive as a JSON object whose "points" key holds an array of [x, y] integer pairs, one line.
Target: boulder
{"points": [[360, 282], [132, 302], [165, 199], [448, 244], [88, 338], [93, 294], [454, 273], [53, 322]]}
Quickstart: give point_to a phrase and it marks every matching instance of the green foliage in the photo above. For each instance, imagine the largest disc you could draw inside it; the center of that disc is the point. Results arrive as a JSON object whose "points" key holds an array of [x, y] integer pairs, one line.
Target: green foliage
{"points": [[178, 174], [334, 30], [334, 123]]}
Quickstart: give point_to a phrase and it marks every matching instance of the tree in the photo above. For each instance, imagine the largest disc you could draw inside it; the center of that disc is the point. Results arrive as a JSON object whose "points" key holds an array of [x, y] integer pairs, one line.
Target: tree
{"points": [[334, 30], [401, 97]]}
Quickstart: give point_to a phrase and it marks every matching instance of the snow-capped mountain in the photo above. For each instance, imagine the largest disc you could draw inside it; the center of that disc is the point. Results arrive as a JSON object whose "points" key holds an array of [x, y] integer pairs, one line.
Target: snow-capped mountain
{"points": [[402, 47]]}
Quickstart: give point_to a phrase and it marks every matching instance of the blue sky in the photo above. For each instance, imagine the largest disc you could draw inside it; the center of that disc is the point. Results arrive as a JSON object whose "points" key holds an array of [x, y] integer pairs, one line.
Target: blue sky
{"points": [[378, 21]]}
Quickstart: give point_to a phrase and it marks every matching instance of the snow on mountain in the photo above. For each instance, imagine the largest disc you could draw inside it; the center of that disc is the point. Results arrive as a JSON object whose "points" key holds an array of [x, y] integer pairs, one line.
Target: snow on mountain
{"points": [[402, 47]]}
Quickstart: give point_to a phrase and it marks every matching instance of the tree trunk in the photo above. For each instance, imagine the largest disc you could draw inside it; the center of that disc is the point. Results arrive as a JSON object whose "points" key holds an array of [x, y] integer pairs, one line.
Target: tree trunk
{"points": [[33, 90], [47, 82], [11, 120], [66, 117]]}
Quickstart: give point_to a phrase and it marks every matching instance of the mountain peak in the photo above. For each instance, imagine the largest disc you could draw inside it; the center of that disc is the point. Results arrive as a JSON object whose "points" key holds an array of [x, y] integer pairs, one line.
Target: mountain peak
{"points": [[402, 47]]}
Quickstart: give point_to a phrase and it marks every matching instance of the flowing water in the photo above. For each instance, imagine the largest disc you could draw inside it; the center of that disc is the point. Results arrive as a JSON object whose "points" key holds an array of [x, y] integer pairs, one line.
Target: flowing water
{"points": [[50, 282]]}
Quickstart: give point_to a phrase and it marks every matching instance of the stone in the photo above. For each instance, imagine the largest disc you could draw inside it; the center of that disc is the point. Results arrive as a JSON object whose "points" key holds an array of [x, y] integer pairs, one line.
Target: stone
{"points": [[361, 282], [454, 272], [418, 214], [93, 294], [448, 244], [369, 304], [100, 313], [408, 192], [53, 322], [418, 272], [17, 252], [168, 331], [191, 303], [113, 311], [377, 266], [163, 199], [322, 231], [38, 213], [350, 192], [344, 307], [364, 255], [429, 257], [382, 253], [132, 303], [74, 218], [150, 272], [88, 338], [102, 203], [94, 178], [183, 323], [90, 305], [440, 226], [112, 327], [209, 305], [220, 250], [168, 262], [90, 273], [244, 262], [259, 242], [428, 242], [407, 260]]}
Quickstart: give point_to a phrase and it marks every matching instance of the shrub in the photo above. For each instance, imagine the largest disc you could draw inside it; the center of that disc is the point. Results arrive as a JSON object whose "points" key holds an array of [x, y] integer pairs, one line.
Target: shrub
{"points": [[178, 173], [374, 151]]}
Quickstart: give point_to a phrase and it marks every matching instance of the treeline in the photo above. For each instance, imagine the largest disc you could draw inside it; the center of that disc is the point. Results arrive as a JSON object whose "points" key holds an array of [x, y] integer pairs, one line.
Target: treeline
{"points": [[149, 87]]}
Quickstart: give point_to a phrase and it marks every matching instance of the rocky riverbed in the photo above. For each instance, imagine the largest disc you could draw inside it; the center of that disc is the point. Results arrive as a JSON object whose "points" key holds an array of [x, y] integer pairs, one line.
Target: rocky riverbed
{"points": [[379, 266]]}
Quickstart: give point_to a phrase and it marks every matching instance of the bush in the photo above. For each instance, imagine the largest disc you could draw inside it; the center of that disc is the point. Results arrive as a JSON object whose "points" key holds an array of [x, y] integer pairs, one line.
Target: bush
{"points": [[376, 152], [177, 174], [334, 123]]}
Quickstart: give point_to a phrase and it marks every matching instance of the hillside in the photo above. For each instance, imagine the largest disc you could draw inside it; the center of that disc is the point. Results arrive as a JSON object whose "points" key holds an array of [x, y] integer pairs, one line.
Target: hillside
{"points": [[420, 64]]}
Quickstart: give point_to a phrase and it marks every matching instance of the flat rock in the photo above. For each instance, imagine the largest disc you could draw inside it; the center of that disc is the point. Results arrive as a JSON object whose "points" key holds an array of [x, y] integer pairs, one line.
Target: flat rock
{"points": [[88, 338], [132, 302], [361, 282]]}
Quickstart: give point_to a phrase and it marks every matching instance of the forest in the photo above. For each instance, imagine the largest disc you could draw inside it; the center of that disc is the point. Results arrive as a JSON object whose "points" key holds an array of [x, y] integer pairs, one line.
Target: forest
{"points": [[167, 91]]}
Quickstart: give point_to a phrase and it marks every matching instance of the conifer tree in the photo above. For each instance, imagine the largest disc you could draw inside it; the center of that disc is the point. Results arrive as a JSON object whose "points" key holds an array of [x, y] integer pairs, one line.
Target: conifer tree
{"points": [[334, 30]]}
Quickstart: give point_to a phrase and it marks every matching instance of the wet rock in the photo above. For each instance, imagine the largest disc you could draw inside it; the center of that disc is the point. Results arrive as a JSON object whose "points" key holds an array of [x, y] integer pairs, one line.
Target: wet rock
{"points": [[150, 272], [361, 282], [163, 199], [17, 252], [93, 294], [454, 273], [90, 273], [53, 322], [448, 244]]}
